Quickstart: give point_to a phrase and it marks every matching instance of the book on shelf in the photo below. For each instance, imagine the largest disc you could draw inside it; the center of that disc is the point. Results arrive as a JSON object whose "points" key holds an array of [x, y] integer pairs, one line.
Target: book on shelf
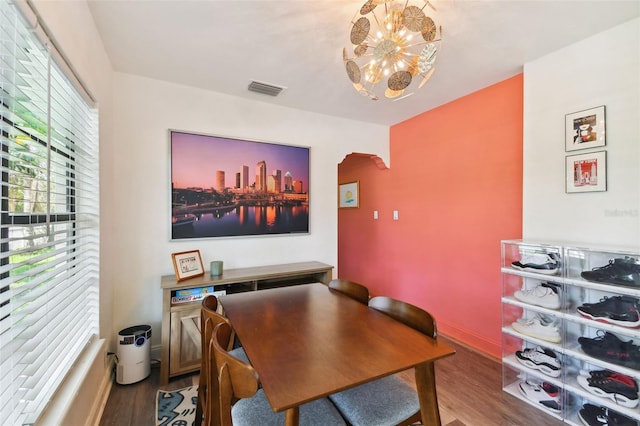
{"points": [[194, 294]]}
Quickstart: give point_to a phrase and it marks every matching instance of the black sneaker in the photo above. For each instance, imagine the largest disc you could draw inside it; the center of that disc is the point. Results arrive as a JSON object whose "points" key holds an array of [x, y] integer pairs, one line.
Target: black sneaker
{"points": [[541, 263], [592, 415], [607, 347], [621, 271], [622, 389], [619, 310]]}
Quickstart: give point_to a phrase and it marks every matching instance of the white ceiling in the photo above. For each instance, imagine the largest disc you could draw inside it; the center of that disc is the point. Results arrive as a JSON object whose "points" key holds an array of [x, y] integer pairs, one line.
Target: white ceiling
{"points": [[222, 45]]}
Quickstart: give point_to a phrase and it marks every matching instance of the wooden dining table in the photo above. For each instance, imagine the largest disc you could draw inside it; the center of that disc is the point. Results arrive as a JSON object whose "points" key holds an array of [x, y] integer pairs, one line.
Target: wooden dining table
{"points": [[307, 342]]}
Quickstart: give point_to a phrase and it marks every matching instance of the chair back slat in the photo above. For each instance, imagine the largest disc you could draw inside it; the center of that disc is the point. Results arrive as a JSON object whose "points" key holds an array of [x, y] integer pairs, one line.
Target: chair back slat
{"points": [[208, 384], [406, 313], [210, 303], [352, 289], [226, 395], [244, 378]]}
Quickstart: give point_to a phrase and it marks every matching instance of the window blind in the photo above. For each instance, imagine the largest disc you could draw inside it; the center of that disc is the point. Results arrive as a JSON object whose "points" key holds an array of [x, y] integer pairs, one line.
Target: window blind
{"points": [[49, 231]]}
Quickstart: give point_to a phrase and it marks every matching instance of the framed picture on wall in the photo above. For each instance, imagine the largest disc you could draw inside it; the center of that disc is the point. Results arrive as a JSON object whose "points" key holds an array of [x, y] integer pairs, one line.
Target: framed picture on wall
{"points": [[585, 129], [586, 172], [348, 195], [187, 264], [227, 187]]}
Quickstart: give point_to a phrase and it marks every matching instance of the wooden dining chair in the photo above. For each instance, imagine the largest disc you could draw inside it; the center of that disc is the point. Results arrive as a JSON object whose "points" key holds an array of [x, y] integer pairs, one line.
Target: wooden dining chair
{"points": [[209, 318], [352, 289], [390, 400], [406, 313], [242, 401]]}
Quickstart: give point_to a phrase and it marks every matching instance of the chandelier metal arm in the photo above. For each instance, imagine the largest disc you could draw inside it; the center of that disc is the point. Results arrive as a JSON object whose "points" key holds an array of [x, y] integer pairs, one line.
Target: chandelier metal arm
{"points": [[393, 48]]}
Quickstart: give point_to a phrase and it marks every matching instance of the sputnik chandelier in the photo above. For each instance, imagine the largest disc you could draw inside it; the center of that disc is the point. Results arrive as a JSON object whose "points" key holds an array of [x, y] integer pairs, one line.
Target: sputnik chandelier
{"points": [[402, 48]]}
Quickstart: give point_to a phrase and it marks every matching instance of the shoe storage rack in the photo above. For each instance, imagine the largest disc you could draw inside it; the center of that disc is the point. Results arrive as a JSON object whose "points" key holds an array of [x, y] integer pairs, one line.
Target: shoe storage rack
{"points": [[590, 326]]}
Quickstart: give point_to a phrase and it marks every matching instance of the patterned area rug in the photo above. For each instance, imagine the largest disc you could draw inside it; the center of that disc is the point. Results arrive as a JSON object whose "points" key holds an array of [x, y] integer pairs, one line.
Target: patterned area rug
{"points": [[176, 408]]}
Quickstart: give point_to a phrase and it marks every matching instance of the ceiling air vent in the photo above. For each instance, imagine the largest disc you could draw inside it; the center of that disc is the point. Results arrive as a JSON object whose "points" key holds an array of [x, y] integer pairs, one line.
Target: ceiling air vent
{"points": [[265, 88]]}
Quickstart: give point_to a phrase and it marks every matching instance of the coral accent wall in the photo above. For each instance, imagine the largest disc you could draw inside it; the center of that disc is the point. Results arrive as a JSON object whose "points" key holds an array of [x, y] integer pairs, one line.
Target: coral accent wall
{"points": [[456, 182]]}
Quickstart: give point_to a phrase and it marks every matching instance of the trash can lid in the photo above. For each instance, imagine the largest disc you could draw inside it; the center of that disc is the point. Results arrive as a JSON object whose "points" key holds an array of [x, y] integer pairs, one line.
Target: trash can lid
{"points": [[135, 330]]}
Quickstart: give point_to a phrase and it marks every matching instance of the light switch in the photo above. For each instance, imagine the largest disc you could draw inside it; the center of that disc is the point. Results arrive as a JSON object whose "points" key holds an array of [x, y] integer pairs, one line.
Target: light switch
{"points": [[375, 214], [395, 215]]}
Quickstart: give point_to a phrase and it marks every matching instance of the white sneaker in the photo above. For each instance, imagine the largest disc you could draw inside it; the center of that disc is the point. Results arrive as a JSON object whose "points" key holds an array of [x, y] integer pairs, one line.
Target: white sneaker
{"points": [[536, 327], [541, 295], [545, 394], [541, 359], [541, 263]]}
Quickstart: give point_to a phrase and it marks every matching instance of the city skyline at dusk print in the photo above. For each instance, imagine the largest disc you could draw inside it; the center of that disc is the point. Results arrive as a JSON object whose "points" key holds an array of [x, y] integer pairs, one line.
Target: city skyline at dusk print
{"points": [[225, 187]]}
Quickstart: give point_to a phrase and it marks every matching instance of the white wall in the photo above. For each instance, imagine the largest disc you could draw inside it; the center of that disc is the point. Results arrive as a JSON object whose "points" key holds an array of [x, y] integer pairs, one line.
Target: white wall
{"points": [[601, 70], [145, 109]]}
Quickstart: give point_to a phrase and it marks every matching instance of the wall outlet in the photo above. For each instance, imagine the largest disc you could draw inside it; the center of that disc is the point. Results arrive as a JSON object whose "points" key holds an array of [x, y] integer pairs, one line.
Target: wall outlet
{"points": [[395, 215], [375, 214]]}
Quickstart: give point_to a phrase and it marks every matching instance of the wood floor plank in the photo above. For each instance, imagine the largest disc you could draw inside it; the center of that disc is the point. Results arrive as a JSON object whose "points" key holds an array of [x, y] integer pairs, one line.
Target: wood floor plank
{"points": [[454, 423], [135, 404]]}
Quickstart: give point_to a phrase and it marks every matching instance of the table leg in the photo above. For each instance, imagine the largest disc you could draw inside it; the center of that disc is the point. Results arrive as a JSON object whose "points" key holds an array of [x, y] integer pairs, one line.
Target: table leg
{"points": [[292, 417], [426, 386]]}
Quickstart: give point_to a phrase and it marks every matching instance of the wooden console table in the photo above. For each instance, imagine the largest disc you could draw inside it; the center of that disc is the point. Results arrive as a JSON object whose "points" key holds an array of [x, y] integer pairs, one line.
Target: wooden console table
{"points": [[181, 347]]}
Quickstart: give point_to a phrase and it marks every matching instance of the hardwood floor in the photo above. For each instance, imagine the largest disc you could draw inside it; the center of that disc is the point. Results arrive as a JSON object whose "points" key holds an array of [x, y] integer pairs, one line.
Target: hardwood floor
{"points": [[135, 404], [469, 394]]}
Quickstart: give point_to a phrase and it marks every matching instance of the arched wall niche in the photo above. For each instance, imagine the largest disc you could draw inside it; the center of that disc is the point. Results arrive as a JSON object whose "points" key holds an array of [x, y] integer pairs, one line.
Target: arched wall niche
{"points": [[360, 240], [360, 156]]}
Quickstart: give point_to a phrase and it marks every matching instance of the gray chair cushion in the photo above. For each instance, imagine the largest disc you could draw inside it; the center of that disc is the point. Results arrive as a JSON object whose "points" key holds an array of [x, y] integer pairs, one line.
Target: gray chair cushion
{"points": [[256, 411], [240, 354], [383, 402]]}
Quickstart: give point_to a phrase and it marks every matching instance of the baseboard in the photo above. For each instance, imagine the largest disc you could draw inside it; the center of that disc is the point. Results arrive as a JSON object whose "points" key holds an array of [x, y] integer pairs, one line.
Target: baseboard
{"points": [[156, 353], [471, 340], [95, 415]]}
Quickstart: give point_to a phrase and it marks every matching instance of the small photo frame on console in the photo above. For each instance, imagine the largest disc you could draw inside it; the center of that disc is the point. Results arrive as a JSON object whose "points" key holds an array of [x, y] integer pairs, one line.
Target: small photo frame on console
{"points": [[187, 264]]}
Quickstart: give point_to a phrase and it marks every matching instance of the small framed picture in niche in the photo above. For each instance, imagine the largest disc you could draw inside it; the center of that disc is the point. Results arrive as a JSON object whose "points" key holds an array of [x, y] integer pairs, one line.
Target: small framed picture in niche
{"points": [[348, 195]]}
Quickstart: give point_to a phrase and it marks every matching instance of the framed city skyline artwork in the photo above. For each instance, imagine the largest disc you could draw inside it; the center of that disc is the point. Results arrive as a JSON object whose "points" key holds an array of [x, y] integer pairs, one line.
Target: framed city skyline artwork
{"points": [[227, 187]]}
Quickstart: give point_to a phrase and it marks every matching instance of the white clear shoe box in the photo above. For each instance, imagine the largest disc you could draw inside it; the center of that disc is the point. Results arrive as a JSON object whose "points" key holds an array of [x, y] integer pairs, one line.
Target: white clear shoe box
{"points": [[573, 292]]}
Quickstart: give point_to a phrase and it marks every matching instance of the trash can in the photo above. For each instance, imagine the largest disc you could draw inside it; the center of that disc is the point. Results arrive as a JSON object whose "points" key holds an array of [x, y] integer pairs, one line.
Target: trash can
{"points": [[134, 354]]}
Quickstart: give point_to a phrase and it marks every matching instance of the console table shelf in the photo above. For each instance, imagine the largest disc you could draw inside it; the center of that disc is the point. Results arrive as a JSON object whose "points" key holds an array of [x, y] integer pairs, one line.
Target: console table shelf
{"points": [[181, 347]]}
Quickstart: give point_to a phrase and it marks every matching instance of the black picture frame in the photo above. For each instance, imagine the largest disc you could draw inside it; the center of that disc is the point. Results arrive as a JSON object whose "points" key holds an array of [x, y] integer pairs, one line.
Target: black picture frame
{"points": [[585, 129]]}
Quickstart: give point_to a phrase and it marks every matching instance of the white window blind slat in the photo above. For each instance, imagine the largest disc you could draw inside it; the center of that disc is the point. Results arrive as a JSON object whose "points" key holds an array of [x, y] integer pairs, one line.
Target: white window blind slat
{"points": [[38, 393], [55, 309], [47, 263], [57, 333], [63, 287], [49, 233], [38, 361]]}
